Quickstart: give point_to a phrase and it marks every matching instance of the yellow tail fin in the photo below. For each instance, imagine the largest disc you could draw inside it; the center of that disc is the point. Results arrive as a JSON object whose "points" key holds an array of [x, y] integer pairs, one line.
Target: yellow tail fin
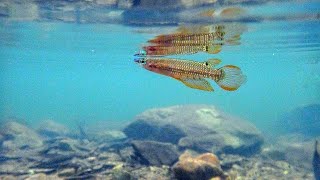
{"points": [[232, 78]]}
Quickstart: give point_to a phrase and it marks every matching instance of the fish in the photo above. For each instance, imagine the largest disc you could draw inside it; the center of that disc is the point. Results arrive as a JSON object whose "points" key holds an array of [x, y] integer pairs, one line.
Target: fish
{"points": [[194, 73], [195, 35], [188, 39], [316, 161], [176, 50]]}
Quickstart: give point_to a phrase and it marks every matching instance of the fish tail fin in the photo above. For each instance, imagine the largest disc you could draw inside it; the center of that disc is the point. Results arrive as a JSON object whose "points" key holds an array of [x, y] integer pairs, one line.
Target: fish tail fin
{"points": [[232, 78]]}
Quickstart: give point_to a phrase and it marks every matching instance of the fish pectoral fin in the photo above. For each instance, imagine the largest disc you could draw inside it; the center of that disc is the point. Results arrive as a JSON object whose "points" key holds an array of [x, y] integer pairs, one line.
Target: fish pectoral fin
{"points": [[201, 84], [212, 62]]}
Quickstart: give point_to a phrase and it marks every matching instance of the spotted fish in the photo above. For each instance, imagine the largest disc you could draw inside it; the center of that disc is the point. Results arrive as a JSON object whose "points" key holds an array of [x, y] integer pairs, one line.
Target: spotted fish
{"points": [[193, 73], [189, 38], [175, 50]]}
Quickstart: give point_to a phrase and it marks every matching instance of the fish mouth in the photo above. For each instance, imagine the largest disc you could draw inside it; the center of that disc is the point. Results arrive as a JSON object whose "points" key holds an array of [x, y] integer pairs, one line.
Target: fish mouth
{"points": [[137, 60]]}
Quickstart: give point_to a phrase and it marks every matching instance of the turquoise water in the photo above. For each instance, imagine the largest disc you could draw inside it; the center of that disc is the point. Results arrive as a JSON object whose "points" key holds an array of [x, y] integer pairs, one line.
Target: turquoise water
{"points": [[68, 71]]}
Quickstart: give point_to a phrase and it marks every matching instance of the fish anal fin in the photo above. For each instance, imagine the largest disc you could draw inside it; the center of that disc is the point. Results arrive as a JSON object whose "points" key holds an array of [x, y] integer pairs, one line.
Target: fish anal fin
{"points": [[201, 84], [213, 49], [213, 62]]}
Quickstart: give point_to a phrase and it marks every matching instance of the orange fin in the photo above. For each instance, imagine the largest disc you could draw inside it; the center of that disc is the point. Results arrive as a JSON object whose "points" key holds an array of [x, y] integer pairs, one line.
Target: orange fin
{"points": [[232, 12], [201, 84], [213, 49], [232, 78]]}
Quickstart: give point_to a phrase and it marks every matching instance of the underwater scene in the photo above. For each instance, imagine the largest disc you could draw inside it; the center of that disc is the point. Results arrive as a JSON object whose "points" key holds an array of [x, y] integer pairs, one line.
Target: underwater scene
{"points": [[160, 89]]}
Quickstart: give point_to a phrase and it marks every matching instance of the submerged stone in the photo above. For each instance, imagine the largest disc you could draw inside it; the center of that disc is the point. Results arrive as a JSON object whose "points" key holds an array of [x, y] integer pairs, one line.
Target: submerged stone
{"points": [[304, 120], [202, 128], [316, 161], [16, 135], [202, 167], [295, 149], [52, 129], [156, 153]]}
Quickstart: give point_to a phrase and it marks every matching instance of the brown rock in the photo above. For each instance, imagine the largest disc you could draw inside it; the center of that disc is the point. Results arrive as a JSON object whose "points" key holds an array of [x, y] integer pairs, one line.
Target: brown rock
{"points": [[202, 167], [209, 158]]}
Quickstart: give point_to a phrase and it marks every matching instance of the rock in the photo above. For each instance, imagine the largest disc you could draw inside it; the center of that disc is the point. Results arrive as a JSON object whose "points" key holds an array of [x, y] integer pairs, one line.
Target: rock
{"points": [[127, 155], [199, 127], [1, 138], [59, 161], [202, 167], [109, 156], [155, 153], [16, 135], [13, 168], [60, 152], [106, 136], [8, 178], [316, 161], [43, 177], [125, 4], [295, 149], [303, 120], [101, 131], [256, 168], [121, 175], [51, 129], [151, 172], [67, 172], [61, 145]]}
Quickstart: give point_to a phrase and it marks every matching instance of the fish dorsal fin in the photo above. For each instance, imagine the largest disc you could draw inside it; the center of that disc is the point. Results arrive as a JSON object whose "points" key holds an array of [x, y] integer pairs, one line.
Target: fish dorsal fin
{"points": [[232, 12], [196, 29], [201, 84], [212, 62], [183, 30], [213, 49]]}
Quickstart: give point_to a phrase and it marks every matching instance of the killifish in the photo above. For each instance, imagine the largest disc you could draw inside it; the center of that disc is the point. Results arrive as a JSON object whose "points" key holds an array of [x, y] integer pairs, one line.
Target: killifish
{"points": [[176, 50], [194, 74], [188, 39]]}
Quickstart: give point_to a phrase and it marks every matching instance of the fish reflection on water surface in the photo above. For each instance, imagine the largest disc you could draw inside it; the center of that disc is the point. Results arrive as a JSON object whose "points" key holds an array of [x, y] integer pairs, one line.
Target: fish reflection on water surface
{"points": [[193, 73], [194, 39]]}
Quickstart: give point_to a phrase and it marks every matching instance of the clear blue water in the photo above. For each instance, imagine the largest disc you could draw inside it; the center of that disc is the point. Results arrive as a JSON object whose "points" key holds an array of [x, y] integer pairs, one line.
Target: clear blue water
{"points": [[67, 71]]}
